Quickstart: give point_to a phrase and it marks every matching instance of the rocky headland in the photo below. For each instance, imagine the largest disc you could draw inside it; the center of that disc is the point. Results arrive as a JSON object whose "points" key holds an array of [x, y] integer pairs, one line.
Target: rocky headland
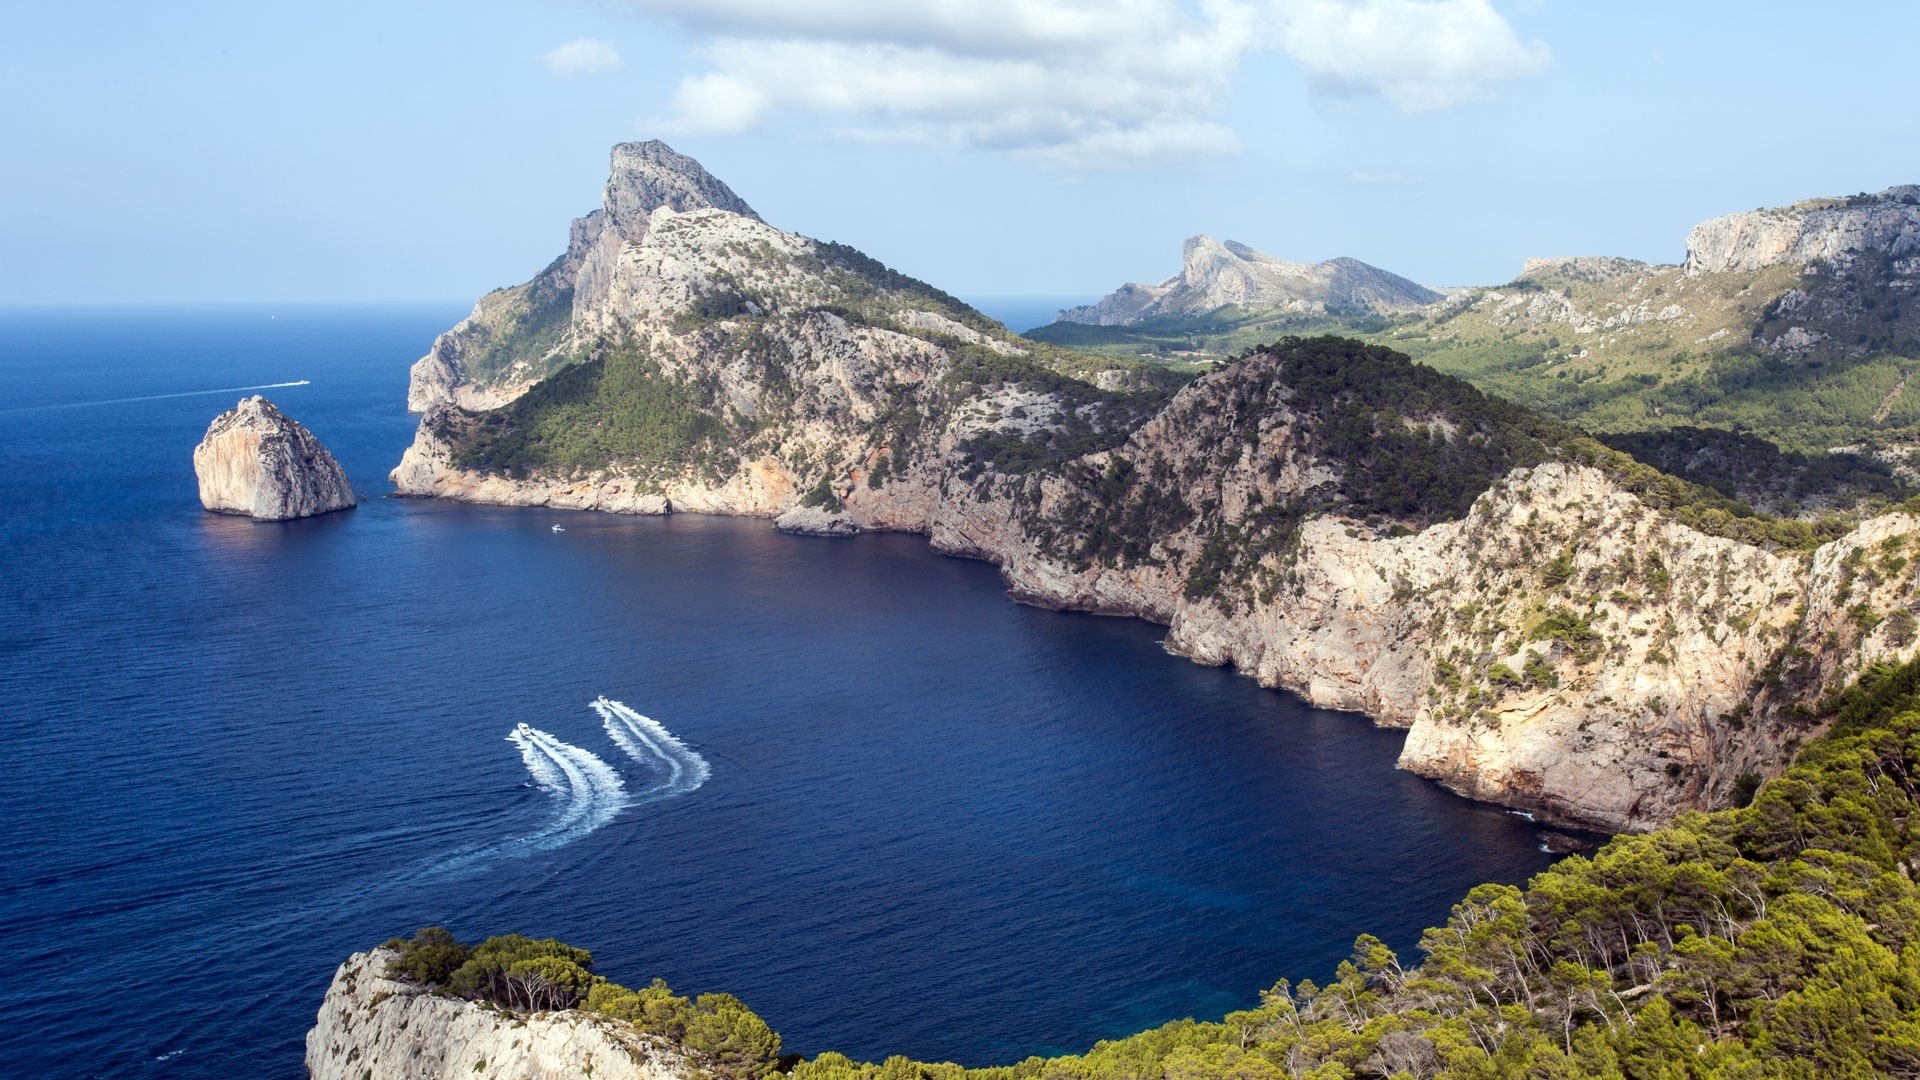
{"points": [[258, 461], [1561, 628], [372, 1027]]}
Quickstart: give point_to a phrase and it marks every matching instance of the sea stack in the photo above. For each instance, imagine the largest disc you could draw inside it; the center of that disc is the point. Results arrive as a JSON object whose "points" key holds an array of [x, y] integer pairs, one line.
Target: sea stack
{"points": [[258, 461]]}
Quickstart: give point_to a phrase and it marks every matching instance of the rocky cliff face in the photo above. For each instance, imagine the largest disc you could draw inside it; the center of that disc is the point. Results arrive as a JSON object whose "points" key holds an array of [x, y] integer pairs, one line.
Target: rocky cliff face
{"points": [[256, 460], [1214, 275], [1327, 517], [1818, 230], [371, 1027], [515, 337]]}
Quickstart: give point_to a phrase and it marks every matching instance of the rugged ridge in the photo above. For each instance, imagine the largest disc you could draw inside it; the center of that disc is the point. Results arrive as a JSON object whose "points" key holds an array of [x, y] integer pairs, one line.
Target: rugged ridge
{"points": [[1214, 275], [1817, 230], [371, 1027], [517, 336], [258, 461], [1328, 517]]}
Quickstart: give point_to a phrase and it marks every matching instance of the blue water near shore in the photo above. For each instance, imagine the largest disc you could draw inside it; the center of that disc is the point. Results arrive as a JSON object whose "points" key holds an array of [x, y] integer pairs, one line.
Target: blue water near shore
{"points": [[934, 822]]}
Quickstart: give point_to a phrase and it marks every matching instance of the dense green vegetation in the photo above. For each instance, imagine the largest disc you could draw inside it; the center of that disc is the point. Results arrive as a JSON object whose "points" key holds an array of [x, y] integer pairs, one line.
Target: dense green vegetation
{"points": [[524, 975], [1216, 335], [530, 322], [1753, 470], [1711, 368], [617, 407], [1801, 404], [1089, 419], [1776, 939]]}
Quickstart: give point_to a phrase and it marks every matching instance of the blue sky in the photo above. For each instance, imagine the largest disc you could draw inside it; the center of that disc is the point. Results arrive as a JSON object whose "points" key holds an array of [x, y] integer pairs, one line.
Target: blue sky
{"points": [[434, 150]]}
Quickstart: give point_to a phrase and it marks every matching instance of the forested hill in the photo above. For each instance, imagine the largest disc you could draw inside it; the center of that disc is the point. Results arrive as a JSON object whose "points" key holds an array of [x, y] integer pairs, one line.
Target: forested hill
{"points": [[1772, 940]]}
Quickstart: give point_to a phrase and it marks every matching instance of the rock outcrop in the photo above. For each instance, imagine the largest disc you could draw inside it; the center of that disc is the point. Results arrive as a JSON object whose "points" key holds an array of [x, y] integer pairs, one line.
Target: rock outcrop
{"points": [[1558, 643], [1214, 275], [1818, 230], [517, 336], [258, 461], [371, 1027]]}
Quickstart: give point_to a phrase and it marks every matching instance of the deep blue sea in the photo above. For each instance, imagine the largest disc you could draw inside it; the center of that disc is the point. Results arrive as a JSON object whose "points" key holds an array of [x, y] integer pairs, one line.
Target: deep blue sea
{"points": [[888, 808]]}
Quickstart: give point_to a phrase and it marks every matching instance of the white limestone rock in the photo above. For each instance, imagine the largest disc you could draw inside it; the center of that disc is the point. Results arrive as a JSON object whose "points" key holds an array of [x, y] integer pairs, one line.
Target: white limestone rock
{"points": [[1816, 230], [816, 521], [483, 363], [258, 461], [371, 1027]]}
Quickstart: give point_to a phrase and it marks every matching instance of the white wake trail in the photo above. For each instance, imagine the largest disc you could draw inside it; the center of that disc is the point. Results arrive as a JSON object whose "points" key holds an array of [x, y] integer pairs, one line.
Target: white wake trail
{"points": [[591, 793], [587, 791], [648, 742], [158, 397]]}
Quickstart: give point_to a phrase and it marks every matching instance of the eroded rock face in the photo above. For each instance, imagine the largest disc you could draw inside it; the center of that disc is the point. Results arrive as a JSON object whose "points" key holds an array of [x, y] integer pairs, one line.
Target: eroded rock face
{"points": [[1818, 230], [1214, 275], [517, 336], [258, 461], [371, 1027]]}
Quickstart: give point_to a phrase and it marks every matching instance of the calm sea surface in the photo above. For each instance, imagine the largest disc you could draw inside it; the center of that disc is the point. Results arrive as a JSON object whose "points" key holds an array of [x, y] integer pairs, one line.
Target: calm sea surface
{"points": [[891, 810]]}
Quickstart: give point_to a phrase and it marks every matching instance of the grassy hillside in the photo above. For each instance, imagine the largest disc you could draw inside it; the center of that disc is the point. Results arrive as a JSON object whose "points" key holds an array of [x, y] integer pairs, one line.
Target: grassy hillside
{"points": [[1806, 362], [1773, 940]]}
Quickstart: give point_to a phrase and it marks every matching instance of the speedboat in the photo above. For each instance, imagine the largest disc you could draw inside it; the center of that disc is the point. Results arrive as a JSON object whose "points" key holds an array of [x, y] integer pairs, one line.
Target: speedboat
{"points": [[557, 528], [524, 729]]}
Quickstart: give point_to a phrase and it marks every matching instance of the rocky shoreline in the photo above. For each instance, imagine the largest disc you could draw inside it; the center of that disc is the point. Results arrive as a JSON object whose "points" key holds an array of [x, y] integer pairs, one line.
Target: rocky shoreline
{"points": [[1558, 646]]}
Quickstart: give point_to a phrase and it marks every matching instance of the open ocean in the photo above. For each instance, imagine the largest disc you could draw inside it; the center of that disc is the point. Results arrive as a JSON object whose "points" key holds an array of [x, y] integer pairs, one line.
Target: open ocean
{"points": [[850, 782]]}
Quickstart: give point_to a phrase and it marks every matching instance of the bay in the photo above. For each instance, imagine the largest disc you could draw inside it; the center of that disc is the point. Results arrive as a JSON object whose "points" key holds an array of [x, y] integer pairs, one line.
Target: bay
{"points": [[935, 822]]}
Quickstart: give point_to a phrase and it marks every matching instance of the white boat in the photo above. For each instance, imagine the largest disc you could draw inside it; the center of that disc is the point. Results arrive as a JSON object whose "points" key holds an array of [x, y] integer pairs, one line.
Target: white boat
{"points": [[557, 528], [524, 729]]}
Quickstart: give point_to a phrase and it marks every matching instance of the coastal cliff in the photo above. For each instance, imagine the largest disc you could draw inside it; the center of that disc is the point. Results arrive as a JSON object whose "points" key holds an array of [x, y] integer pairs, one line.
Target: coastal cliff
{"points": [[1562, 629], [372, 1027], [258, 461]]}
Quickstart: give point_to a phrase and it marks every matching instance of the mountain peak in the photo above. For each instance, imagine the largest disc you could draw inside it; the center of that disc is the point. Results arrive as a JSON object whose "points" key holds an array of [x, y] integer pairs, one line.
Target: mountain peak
{"points": [[1215, 274], [648, 175]]}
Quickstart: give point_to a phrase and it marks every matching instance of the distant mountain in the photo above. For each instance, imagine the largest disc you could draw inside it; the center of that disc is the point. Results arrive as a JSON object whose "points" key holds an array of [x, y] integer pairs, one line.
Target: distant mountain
{"points": [[1214, 275], [1797, 324]]}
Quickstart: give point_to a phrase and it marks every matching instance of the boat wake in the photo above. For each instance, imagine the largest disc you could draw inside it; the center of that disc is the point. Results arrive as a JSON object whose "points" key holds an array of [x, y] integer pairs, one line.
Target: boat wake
{"points": [[158, 397], [589, 792], [586, 791], [648, 742]]}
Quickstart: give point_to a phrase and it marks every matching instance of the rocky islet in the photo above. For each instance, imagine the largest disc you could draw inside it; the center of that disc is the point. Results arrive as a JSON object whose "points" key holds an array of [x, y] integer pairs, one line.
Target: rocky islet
{"points": [[259, 462]]}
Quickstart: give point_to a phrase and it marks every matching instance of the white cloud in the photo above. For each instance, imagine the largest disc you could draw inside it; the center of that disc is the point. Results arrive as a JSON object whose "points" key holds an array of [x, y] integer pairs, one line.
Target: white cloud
{"points": [[1073, 83], [1420, 54], [582, 56]]}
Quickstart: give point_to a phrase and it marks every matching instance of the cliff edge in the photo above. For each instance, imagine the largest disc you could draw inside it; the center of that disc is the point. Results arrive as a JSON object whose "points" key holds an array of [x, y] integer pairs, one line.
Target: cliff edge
{"points": [[258, 461], [371, 1027]]}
